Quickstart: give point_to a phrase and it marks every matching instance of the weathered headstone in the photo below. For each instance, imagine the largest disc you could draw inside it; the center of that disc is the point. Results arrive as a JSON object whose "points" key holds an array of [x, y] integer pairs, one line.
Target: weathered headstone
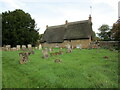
{"points": [[23, 57], [29, 46], [18, 47], [40, 47], [24, 47], [8, 47], [68, 46], [45, 53], [69, 49], [14, 49]]}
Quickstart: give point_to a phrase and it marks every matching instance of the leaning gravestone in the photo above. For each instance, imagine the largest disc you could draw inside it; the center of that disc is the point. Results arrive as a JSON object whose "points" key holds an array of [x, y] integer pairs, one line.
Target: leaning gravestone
{"points": [[18, 47]]}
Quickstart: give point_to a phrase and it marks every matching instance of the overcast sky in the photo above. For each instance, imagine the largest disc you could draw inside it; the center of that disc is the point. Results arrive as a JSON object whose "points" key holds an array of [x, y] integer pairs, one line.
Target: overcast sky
{"points": [[55, 12]]}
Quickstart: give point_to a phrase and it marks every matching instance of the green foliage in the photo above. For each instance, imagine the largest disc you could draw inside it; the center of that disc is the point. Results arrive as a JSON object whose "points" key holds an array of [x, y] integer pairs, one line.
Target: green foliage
{"points": [[93, 35], [116, 31], [105, 33], [75, 71], [18, 28]]}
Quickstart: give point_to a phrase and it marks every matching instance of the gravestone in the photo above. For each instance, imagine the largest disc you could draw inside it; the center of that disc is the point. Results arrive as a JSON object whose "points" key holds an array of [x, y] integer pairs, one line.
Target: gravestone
{"points": [[18, 47], [68, 46], [40, 47], [24, 47], [8, 47], [29, 46], [23, 57], [45, 53], [14, 49]]}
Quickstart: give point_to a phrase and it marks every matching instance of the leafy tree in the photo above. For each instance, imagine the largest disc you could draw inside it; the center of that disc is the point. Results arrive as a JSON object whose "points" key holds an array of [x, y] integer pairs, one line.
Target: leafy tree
{"points": [[18, 28], [105, 33], [116, 31]]}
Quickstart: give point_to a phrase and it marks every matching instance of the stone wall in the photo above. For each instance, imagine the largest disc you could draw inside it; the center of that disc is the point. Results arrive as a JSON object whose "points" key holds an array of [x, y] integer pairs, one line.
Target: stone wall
{"points": [[108, 44], [84, 43]]}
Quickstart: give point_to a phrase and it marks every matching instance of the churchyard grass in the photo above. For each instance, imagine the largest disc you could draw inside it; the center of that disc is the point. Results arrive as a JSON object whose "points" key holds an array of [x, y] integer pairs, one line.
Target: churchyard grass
{"points": [[79, 69]]}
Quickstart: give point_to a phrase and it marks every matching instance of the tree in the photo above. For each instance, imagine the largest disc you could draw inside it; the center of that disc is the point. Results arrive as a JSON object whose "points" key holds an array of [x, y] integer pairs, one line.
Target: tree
{"points": [[105, 33], [116, 31], [18, 28]]}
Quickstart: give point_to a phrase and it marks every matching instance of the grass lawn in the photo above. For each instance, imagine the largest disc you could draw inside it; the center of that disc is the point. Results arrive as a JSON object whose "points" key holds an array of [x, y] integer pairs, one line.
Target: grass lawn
{"points": [[79, 69]]}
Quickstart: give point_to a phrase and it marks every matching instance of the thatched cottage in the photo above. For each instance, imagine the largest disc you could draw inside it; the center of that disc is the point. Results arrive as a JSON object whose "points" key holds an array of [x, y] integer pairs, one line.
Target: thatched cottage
{"points": [[73, 33]]}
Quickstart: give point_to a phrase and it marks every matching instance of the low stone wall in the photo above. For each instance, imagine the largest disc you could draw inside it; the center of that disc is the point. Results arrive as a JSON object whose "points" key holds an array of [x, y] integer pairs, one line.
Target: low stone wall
{"points": [[108, 44], [105, 44]]}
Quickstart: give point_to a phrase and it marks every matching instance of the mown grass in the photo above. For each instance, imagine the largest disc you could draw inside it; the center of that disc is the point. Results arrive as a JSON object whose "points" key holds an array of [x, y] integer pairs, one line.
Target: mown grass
{"points": [[79, 69]]}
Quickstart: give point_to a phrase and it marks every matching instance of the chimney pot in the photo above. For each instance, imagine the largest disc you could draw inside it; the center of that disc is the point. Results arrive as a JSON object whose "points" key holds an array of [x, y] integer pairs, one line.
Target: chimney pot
{"points": [[90, 18], [66, 22], [46, 26]]}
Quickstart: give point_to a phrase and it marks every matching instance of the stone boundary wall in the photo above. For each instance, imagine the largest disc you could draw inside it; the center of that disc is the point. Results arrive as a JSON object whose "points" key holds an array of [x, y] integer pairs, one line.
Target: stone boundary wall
{"points": [[108, 43], [105, 44]]}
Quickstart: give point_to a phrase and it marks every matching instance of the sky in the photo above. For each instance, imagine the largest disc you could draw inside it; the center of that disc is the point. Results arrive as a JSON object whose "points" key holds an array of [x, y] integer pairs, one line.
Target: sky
{"points": [[56, 12]]}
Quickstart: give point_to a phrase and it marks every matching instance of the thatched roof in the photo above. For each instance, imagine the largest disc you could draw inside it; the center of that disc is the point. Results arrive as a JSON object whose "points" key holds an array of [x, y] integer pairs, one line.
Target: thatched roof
{"points": [[71, 31]]}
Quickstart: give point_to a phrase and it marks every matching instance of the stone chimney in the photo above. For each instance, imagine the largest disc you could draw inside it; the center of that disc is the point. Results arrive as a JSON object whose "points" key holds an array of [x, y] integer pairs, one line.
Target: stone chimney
{"points": [[90, 18], [46, 26], [66, 22]]}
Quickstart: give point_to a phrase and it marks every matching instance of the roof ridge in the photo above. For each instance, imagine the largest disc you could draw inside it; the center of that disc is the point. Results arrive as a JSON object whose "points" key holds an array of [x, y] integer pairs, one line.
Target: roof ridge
{"points": [[68, 23]]}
